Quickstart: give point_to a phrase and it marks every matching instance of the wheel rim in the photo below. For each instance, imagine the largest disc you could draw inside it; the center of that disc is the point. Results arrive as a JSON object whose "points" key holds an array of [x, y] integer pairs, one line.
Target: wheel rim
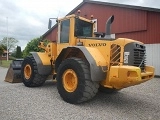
{"points": [[27, 71], [70, 80]]}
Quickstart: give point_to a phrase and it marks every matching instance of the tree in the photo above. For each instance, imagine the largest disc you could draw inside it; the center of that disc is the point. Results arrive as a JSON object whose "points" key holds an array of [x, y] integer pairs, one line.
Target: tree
{"points": [[13, 54], [11, 43], [32, 46], [1, 50], [18, 52], [4, 47]]}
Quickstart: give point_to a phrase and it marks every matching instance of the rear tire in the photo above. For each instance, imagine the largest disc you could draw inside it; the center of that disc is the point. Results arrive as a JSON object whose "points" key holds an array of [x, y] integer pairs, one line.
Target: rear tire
{"points": [[74, 82], [30, 76]]}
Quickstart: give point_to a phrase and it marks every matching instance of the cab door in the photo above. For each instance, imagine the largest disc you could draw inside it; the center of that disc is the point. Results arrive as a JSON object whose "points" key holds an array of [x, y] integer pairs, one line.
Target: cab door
{"points": [[63, 35]]}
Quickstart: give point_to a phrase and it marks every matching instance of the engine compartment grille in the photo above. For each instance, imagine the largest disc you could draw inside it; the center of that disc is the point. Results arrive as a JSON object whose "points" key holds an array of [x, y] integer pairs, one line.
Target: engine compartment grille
{"points": [[140, 56], [135, 55]]}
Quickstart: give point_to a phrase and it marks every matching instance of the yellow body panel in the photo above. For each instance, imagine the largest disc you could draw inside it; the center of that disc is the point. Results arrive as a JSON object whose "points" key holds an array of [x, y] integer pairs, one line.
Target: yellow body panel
{"points": [[45, 59], [73, 16], [124, 76], [98, 57], [104, 50], [50, 50], [60, 46], [104, 46]]}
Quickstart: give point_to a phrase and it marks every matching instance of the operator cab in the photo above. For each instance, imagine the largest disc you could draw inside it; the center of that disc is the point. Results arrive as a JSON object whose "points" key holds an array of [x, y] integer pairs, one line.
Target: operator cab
{"points": [[74, 26]]}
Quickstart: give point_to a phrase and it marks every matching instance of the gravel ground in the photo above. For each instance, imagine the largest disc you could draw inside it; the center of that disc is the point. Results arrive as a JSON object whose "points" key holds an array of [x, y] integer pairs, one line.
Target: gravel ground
{"points": [[17, 102]]}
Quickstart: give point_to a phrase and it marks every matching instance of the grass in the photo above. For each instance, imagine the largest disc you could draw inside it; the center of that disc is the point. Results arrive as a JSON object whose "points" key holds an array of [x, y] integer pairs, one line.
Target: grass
{"points": [[5, 63]]}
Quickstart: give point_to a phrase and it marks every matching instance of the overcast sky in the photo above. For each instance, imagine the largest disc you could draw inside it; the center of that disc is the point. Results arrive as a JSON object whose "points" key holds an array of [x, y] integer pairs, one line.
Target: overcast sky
{"points": [[28, 19]]}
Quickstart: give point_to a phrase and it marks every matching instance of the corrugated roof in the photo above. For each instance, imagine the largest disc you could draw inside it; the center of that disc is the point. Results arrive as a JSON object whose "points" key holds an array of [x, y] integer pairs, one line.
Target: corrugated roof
{"points": [[108, 4], [125, 6]]}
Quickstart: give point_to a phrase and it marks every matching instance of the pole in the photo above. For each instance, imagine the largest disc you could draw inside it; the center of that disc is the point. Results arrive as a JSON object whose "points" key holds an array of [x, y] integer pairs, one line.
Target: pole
{"points": [[7, 39]]}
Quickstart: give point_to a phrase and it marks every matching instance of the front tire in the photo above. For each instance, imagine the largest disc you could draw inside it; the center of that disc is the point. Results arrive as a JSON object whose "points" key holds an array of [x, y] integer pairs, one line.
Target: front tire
{"points": [[30, 75], [74, 82]]}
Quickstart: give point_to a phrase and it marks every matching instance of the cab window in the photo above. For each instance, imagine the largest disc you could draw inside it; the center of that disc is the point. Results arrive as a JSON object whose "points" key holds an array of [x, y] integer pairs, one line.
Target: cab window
{"points": [[83, 28], [64, 36]]}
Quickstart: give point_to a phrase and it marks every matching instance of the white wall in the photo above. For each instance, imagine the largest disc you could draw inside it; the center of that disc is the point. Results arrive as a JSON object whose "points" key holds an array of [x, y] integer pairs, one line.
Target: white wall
{"points": [[153, 56]]}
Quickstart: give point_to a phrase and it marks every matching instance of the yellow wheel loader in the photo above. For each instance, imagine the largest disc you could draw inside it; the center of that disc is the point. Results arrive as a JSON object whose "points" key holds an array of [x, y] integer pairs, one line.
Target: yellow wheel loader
{"points": [[83, 61]]}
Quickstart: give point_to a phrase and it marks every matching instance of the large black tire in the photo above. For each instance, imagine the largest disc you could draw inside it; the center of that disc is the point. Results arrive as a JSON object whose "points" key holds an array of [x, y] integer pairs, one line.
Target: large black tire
{"points": [[30, 76], [85, 90]]}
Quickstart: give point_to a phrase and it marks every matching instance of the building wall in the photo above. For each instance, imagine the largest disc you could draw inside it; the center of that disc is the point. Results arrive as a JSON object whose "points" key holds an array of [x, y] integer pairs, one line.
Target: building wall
{"points": [[52, 36], [153, 56], [151, 34], [153, 27], [126, 20], [3, 57]]}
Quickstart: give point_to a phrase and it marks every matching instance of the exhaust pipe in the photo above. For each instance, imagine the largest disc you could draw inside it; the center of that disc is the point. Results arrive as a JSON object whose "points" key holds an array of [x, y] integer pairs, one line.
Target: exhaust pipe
{"points": [[108, 27]]}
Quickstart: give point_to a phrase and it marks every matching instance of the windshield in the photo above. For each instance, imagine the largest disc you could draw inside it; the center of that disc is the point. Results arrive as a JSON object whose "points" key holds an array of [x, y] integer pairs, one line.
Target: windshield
{"points": [[83, 28]]}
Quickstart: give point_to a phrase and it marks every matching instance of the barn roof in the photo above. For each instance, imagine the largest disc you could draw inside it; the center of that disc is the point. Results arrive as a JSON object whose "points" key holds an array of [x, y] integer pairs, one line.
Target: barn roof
{"points": [[107, 4], [115, 5]]}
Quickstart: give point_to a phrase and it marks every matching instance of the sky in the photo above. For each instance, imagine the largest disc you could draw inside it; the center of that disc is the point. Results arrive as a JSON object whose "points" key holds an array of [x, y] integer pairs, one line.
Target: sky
{"points": [[28, 19]]}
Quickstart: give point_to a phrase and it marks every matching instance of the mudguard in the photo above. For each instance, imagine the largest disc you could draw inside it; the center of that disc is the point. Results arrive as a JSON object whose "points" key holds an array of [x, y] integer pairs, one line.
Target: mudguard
{"points": [[43, 63], [98, 66]]}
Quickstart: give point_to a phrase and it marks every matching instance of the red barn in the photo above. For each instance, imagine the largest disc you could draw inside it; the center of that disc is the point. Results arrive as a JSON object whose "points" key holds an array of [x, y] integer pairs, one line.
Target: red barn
{"points": [[134, 22]]}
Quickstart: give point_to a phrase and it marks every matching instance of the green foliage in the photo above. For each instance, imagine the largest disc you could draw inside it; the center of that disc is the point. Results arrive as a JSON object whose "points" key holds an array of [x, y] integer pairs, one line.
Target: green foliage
{"points": [[32, 46], [12, 58], [4, 47], [1, 50], [5, 63], [14, 53], [11, 43], [18, 52]]}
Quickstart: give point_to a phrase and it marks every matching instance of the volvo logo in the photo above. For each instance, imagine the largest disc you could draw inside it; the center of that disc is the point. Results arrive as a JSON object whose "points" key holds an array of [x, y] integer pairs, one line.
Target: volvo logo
{"points": [[97, 44]]}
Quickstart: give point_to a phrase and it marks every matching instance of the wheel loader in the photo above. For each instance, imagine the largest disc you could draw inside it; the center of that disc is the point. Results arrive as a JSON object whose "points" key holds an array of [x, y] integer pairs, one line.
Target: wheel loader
{"points": [[83, 62]]}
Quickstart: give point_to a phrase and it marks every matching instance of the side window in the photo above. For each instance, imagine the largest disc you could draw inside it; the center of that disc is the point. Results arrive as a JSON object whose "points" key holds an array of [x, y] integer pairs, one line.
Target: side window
{"points": [[64, 35]]}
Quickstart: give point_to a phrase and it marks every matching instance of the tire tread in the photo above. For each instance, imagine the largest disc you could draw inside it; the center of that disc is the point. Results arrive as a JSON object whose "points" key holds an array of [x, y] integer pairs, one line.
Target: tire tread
{"points": [[38, 80], [90, 88]]}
